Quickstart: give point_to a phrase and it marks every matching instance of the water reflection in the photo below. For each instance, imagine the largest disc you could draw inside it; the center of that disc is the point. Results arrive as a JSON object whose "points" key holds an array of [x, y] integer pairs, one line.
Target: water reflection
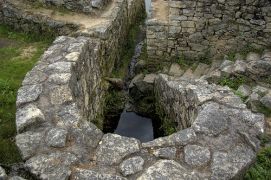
{"points": [[134, 125]]}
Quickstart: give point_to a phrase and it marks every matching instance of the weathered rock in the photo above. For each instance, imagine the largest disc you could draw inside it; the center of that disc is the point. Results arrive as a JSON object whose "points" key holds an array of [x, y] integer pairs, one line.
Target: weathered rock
{"points": [[253, 56], [253, 101], [3, 175], [113, 148], [175, 70], [266, 101], [56, 137], [138, 77], [60, 95], [245, 90], [239, 67], [195, 155], [54, 165], [211, 120], [166, 153], [62, 78], [132, 165], [86, 174], [28, 143], [259, 68], [28, 117], [233, 164], [260, 90], [150, 78], [166, 169], [28, 93]]}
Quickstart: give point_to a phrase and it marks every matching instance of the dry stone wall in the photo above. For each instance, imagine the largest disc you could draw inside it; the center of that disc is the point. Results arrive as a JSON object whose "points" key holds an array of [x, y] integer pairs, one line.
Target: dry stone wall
{"points": [[198, 28]]}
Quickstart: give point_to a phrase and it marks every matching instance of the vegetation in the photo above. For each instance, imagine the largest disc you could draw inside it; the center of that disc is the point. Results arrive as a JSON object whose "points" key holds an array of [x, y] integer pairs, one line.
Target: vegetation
{"points": [[243, 52], [18, 53], [234, 81], [262, 169]]}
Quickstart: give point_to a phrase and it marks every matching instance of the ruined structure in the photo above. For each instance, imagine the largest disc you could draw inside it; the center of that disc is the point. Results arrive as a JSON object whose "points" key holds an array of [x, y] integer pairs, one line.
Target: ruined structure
{"points": [[201, 28], [62, 96]]}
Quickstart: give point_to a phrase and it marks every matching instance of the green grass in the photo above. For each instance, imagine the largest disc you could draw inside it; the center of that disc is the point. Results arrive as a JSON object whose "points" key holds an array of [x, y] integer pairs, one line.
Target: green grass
{"points": [[13, 67], [234, 81], [262, 168]]}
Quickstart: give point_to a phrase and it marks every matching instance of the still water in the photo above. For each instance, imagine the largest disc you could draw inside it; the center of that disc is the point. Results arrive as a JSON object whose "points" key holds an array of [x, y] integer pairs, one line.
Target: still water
{"points": [[134, 125]]}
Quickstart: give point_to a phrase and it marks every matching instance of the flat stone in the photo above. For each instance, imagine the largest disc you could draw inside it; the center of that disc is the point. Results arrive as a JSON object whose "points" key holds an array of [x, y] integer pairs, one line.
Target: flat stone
{"points": [[87, 174], [28, 93], [166, 153], [55, 165], [113, 148], [233, 164], [56, 137], [195, 155], [3, 175], [60, 95], [211, 120], [60, 78], [28, 143], [132, 165], [68, 116], [28, 117], [166, 169]]}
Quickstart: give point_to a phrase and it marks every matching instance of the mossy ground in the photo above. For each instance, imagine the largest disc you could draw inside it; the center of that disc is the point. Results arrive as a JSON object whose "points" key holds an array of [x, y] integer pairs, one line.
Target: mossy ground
{"points": [[17, 57]]}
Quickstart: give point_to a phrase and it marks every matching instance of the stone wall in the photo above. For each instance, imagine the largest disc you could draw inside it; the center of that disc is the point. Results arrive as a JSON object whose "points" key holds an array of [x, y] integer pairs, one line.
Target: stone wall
{"points": [[86, 6], [28, 22], [202, 27]]}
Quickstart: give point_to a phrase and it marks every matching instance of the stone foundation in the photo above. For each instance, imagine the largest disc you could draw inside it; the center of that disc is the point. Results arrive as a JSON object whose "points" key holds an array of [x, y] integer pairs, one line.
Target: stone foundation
{"points": [[199, 28]]}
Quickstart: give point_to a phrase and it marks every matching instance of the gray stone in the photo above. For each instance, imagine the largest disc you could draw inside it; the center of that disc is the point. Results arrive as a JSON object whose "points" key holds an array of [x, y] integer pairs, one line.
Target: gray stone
{"points": [[132, 165], [175, 70], [245, 90], [211, 120], [60, 95], [59, 67], [253, 101], [59, 78], [195, 155], [56, 137], [3, 175], [68, 116], [34, 77], [28, 117], [253, 56], [113, 148], [260, 68], [239, 67], [226, 63], [28, 94], [97, 3], [87, 174], [166, 153], [54, 165], [182, 138], [266, 101], [231, 165], [260, 90], [166, 169], [28, 143]]}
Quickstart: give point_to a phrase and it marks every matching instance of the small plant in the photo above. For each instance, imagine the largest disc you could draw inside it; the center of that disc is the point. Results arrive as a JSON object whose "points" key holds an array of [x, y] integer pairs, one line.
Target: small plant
{"points": [[262, 168], [233, 81]]}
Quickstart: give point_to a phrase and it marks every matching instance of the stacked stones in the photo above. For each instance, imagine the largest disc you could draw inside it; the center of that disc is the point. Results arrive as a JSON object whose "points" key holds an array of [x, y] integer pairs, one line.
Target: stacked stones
{"points": [[86, 6], [197, 28], [57, 141]]}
